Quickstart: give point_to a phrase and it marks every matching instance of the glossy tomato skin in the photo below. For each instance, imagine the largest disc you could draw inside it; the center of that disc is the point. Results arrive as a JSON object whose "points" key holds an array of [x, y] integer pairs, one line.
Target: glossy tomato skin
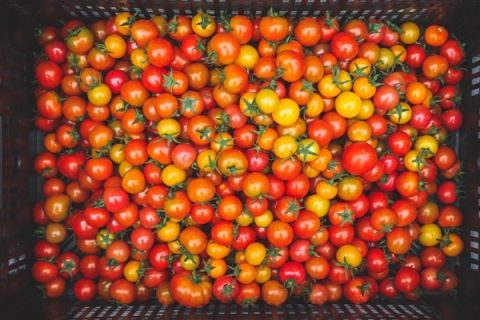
{"points": [[407, 280], [359, 158]]}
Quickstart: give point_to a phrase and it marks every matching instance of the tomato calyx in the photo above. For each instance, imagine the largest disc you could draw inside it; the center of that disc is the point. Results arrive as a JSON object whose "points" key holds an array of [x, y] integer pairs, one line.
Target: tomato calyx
{"points": [[272, 253], [105, 239], [42, 289], [232, 170], [441, 276], [223, 142], [141, 271], [112, 263], [224, 22], [398, 111], [336, 76], [348, 267], [346, 216], [293, 208], [387, 227], [330, 22], [251, 109], [228, 289], [68, 266], [224, 120], [169, 81], [394, 27], [291, 284], [39, 233], [247, 303], [374, 27], [311, 249], [365, 288], [74, 32], [272, 13], [173, 26], [201, 45], [212, 58], [205, 21], [205, 133], [102, 48], [360, 72], [130, 20], [307, 86], [188, 104], [211, 164], [47, 171], [73, 63], [235, 271], [207, 267]]}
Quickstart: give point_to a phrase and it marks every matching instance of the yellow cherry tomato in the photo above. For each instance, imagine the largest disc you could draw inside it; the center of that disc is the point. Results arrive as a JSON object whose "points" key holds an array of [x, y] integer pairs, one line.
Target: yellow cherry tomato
{"points": [[401, 114], [386, 60], [364, 88], [171, 175], [124, 168], [359, 131], [327, 88], [399, 52], [349, 254], [426, 144], [244, 219], [104, 237], [206, 160], [360, 66], [217, 251], [264, 273], [414, 160], [116, 46], [116, 153], [218, 268], [411, 32], [139, 58], [222, 141], [248, 105], [169, 232], [264, 219], [175, 246], [367, 110], [308, 150], [343, 80], [430, 235], [247, 57], [287, 112], [317, 205], [168, 128], [131, 271], [326, 190], [203, 24], [189, 262], [285, 146], [255, 253], [315, 106], [267, 100], [348, 104]]}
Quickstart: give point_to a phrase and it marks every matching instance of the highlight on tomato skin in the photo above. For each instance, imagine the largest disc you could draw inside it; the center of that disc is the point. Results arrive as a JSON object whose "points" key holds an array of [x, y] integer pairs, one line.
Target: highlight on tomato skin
{"points": [[238, 159]]}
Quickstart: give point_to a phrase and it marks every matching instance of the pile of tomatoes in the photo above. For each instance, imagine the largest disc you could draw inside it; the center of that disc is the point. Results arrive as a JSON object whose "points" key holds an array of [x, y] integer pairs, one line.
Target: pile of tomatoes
{"points": [[246, 158]]}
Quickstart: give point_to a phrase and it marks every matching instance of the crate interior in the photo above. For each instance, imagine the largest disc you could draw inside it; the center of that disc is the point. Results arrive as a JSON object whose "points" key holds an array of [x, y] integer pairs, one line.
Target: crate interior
{"points": [[19, 141]]}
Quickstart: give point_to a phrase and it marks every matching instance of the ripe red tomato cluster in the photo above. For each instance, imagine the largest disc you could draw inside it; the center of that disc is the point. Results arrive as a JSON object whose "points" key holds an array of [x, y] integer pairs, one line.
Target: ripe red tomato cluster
{"points": [[247, 159]]}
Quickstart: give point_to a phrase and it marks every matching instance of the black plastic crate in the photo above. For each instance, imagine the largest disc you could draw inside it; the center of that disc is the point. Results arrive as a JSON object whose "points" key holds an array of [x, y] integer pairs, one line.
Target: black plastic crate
{"points": [[20, 188]]}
